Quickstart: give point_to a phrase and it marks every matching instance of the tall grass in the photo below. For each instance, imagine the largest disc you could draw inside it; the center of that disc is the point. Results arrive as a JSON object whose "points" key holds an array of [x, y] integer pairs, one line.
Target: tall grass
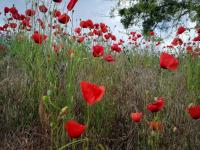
{"points": [[40, 83]]}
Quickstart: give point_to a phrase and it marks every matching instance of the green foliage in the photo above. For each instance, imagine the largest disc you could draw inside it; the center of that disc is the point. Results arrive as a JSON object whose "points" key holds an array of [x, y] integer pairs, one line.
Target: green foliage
{"points": [[153, 12]]}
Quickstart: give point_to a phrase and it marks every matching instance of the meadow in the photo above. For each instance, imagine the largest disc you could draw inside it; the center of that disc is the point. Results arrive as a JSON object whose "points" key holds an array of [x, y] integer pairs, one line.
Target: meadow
{"points": [[84, 89]]}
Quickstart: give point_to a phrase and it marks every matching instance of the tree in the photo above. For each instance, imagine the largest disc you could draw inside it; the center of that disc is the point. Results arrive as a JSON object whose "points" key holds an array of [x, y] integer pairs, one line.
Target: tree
{"points": [[156, 13]]}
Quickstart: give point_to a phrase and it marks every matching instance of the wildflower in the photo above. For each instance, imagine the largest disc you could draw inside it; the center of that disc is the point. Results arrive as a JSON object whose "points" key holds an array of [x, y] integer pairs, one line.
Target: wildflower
{"points": [[136, 117], [168, 61], [43, 9], [30, 12], [41, 23], [13, 25], [77, 30], [83, 24], [133, 33], [89, 24], [106, 36], [151, 33], [91, 92], [6, 10], [113, 37], [74, 129], [197, 38], [194, 111], [177, 41], [116, 48], [98, 50], [189, 49], [157, 105], [109, 58], [71, 4], [81, 39], [180, 30], [64, 18], [139, 35], [56, 13], [38, 38]]}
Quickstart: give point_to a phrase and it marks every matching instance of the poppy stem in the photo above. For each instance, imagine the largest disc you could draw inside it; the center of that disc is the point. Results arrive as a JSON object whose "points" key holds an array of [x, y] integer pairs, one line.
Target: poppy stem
{"points": [[88, 116], [72, 143], [87, 124]]}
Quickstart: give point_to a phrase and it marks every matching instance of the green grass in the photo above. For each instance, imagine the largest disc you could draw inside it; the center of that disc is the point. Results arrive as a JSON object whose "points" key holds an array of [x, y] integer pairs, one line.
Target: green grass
{"points": [[131, 83]]}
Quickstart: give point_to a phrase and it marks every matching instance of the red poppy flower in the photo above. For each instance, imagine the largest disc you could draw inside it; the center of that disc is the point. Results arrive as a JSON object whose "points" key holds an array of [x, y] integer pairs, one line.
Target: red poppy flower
{"points": [[139, 35], [77, 30], [81, 39], [71, 4], [121, 42], [96, 26], [189, 49], [97, 32], [113, 37], [74, 129], [133, 33], [198, 30], [5, 26], [90, 24], [38, 38], [90, 33], [43, 9], [57, 1], [109, 58], [136, 117], [30, 12], [13, 10], [56, 47], [106, 36], [180, 30], [177, 41], [25, 23], [151, 33], [42, 25], [102, 25], [64, 18], [157, 105], [56, 13], [1, 28], [197, 38], [91, 92], [83, 24], [6, 10], [13, 25], [194, 111], [116, 48], [98, 50], [168, 61], [104, 30]]}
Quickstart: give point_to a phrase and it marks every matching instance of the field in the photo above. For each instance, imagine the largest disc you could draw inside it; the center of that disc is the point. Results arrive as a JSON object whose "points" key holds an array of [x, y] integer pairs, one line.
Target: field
{"points": [[88, 90]]}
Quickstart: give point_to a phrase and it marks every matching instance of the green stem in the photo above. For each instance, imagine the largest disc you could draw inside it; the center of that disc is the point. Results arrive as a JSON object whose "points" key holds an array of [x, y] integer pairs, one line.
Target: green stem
{"points": [[73, 142], [88, 116]]}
